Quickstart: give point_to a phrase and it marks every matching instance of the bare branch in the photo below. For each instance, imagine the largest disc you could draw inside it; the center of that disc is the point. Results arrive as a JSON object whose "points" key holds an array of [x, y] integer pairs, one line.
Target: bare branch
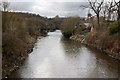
{"points": [[5, 6]]}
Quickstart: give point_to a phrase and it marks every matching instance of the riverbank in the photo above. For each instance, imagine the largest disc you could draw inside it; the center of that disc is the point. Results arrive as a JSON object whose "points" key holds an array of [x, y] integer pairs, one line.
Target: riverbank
{"points": [[9, 66], [43, 63], [82, 39], [19, 33], [13, 65]]}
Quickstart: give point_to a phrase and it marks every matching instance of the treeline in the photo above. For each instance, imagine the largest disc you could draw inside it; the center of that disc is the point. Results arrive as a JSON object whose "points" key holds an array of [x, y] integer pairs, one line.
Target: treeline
{"points": [[19, 33], [17, 30]]}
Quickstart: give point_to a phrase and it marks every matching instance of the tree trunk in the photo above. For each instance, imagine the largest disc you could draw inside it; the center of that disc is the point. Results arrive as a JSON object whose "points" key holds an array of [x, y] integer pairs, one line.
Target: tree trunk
{"points": [[98, 21], [118, 12], [109, 16], [118, 15]]}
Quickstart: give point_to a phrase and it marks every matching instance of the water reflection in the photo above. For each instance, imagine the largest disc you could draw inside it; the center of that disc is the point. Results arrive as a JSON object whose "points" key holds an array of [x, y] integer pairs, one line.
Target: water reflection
{"points": [[56, 57], [92, 62]]}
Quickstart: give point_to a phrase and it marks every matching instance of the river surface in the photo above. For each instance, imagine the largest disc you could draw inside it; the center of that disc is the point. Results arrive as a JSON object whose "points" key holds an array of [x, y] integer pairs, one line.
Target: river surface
{"points": [[56, 57]]}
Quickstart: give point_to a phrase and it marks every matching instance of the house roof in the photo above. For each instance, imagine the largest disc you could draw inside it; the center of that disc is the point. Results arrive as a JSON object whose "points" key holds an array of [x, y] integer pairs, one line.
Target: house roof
{"points": [[87, 24]]}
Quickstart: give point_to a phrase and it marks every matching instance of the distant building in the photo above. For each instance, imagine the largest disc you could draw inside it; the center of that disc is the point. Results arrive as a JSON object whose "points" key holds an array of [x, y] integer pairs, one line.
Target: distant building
{"points": [[89, 18], [87, 25]]}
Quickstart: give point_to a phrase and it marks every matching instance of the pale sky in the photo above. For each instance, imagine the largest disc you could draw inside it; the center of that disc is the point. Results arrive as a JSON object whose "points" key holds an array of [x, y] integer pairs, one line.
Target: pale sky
{"points": [[51, 8]]}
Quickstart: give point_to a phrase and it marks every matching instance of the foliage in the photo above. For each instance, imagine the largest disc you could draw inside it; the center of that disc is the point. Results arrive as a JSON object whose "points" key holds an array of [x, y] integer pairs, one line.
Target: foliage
{"points": [[68, 26], [56, 21], [67, 33], [10, 43], [114, 27], [19, 31], [102, 40]]}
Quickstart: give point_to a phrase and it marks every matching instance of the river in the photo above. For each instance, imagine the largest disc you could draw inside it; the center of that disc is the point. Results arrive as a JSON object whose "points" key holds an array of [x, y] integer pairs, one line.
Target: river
{"points": [[56, 57]]}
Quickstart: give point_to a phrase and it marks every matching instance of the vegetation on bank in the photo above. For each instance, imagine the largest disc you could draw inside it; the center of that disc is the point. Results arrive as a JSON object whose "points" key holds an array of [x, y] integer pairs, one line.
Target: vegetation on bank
{"points": [[114, 27], [104, 31], [71, 25], [106, 39], [19, 33]]}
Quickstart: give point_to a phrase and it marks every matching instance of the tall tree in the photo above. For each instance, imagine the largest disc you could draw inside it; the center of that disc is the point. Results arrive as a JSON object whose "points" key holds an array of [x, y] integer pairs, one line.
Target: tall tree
{"points": [[107, 10], [96, 7], [118, 8], [110, 8]]}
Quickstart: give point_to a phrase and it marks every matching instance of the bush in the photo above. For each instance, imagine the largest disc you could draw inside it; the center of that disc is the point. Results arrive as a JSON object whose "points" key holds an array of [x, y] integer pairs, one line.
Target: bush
{"points": [[103, 39], [67, 34], [114, 27], [68, 26], [10, 44]]}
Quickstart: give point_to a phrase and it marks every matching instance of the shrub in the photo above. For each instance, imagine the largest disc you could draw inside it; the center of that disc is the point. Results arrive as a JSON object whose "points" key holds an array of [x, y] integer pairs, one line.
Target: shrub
{"points": [[10, 44], [68, 26], [114, 27], [67, 34], [102, 41]]}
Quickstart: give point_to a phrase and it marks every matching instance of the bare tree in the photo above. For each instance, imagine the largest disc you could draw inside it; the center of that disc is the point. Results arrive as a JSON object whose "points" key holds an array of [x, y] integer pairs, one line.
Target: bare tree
{"points": [[96, 7], [104, 11], [107, 10], [118, 9], [5, 6], [111, 8]]}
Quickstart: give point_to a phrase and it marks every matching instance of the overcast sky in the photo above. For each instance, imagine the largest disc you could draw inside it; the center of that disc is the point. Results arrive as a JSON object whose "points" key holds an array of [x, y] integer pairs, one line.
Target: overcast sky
{"points": [[51, 8]]}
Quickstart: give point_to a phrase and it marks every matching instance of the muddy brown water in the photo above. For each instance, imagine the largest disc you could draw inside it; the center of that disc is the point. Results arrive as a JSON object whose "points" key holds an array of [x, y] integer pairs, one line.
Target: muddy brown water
{"points": [[56, 57]]}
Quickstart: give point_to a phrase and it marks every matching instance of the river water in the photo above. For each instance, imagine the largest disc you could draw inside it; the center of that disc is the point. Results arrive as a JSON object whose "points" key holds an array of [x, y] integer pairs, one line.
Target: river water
{"points": [[56, 57]]}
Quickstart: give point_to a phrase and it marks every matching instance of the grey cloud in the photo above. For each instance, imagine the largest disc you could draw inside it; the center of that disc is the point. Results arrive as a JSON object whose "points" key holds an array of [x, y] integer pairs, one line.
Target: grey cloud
{"points": [[54, 8], [21, 6]]}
